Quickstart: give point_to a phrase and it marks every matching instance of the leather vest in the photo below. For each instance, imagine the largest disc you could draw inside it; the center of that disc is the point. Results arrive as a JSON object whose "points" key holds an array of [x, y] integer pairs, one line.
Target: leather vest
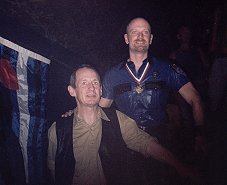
{"points": [[112, 151]]}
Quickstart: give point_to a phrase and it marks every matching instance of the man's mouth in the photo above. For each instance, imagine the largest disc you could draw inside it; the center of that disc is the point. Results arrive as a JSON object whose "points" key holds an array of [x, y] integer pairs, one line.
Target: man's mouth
{"points": [[91, 95], [140, 42]]}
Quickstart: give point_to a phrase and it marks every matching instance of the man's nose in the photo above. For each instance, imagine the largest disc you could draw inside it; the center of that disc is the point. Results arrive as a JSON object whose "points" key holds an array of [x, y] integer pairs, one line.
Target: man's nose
{"points": [[140, 35], [91, 86]]}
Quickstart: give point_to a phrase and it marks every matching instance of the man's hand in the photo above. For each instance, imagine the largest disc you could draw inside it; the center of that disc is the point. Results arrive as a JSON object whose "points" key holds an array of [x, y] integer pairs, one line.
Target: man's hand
{"points": [[67, 114]]}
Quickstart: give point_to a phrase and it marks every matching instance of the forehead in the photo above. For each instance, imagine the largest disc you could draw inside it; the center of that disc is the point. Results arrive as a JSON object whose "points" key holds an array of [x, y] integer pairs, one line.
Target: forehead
{"points": [[138, 23], [85, 73]]}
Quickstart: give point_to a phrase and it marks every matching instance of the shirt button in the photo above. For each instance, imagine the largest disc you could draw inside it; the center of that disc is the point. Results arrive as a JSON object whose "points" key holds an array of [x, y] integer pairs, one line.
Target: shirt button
{"points": [[92, 142]]}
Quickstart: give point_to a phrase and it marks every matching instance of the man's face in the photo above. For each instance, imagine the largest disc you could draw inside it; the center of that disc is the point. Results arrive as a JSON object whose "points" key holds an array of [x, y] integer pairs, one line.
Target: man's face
{"points": [[138, 36], [184, 34], [88, 88]]}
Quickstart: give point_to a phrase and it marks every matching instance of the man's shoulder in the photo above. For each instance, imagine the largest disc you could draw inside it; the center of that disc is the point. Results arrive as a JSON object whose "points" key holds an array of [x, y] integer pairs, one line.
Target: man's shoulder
{"points": [[112, 74], [109, 110], [161, 63], [167, 64], [65, 118], [117, 67]]}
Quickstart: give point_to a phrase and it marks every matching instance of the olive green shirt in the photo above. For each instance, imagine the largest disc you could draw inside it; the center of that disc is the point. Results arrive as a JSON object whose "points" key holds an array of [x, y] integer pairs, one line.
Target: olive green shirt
{"points": [[86, 142]]}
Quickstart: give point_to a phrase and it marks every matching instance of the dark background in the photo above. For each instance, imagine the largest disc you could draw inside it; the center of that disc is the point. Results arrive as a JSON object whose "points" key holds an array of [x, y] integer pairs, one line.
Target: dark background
{"points": [[70, 32]]}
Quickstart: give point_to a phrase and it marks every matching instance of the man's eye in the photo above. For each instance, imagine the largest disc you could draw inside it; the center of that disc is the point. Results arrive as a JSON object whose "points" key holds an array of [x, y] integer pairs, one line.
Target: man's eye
{"points": [[133, 32], [146, 32], [84, 83], [96, 83]]}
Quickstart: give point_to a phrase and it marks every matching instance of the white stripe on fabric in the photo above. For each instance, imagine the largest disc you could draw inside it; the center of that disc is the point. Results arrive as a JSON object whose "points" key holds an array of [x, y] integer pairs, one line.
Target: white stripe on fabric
{"points": [[23, 50], [22, 98]]}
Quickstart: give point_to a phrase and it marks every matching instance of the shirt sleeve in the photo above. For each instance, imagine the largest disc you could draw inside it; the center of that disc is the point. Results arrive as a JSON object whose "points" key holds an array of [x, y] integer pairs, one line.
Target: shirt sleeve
{"points": [[177, 78], [108, 86], [135, 138], [52, 148]]}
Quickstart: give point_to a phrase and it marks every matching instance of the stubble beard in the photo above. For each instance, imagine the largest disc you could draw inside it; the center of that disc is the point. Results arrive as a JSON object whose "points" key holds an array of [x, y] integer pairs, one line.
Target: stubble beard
{"points": [[140, 49]]}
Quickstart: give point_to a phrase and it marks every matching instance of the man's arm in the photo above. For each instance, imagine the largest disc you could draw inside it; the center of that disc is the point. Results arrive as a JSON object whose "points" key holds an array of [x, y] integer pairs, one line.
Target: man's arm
{"points": [[158, 152], [52, 148], [104, 102], [142, 142], [191, 96]]}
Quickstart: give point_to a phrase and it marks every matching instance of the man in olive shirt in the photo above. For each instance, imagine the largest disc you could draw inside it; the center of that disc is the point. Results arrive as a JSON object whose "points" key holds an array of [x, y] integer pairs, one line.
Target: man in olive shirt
{"points": [[93, 134]]}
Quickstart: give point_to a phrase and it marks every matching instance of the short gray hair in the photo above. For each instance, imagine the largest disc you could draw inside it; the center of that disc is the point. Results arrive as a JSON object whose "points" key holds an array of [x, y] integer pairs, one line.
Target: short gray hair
{"points": [[72, 81]]}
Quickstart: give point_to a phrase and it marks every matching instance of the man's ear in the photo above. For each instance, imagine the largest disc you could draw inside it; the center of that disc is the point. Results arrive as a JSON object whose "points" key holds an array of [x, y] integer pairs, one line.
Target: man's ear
{"points": [[151, 39], [71, 91], [101, 90], [126, 38]]}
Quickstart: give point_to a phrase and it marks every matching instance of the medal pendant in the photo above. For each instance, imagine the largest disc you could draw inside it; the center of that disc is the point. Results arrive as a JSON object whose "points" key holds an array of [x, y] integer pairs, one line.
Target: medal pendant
{"points": [[139, 89]]}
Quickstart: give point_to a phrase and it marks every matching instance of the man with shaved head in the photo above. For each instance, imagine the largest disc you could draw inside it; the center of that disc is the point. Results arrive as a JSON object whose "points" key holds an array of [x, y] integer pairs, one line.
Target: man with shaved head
{"points": [[140, 87]]}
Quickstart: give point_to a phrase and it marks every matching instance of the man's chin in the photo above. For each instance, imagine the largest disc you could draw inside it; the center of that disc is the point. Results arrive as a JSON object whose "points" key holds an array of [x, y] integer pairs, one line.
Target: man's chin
{"points": [[92, 103], [141, 50]]}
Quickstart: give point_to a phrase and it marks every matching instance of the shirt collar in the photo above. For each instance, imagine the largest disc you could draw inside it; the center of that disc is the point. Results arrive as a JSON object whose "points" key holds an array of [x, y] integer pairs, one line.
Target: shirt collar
{"points": [[131, 66], [101, 114], [130, 63]]}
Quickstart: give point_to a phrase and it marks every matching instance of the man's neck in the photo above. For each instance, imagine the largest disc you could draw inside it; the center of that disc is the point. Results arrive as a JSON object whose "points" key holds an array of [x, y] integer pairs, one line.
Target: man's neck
{"points": [[137, 59], [88, 114]]}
